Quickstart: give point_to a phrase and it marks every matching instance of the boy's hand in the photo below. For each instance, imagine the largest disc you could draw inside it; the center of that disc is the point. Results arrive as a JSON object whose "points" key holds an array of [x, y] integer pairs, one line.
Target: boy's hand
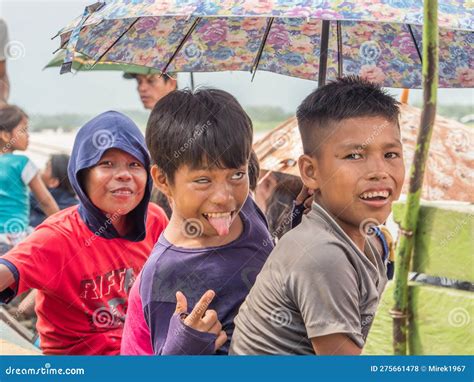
{"points": [[201, 318], [305, 197]]}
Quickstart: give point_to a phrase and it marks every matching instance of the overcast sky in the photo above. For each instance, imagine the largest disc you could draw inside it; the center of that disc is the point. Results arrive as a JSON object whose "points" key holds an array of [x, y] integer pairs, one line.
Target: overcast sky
{"points": [[33, 23]]}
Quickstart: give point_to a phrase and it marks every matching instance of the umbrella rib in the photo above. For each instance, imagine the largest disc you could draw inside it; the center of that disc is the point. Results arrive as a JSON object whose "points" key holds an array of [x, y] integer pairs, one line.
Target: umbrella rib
{"points": [[61, 47], [340, 63], [323, 53], [115, 42], [262, 46], [414, 42], [181, 44]]}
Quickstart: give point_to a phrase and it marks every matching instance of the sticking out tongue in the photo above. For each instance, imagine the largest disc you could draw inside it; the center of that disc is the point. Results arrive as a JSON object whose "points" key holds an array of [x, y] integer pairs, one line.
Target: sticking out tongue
{"points": [[221, 224]]}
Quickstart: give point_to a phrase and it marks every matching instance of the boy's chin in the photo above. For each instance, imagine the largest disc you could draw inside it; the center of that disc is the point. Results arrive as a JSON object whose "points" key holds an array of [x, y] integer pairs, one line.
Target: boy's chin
{"points": [[119, 211]]}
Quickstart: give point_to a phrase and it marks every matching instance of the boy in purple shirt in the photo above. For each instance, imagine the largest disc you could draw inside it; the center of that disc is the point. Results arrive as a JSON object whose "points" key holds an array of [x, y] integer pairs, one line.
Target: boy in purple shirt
{"points": [[217, 239]]}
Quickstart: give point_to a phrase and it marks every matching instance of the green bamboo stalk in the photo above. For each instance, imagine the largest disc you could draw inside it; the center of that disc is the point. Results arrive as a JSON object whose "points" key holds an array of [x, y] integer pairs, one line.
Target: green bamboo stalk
{"points": [[408, 226]]}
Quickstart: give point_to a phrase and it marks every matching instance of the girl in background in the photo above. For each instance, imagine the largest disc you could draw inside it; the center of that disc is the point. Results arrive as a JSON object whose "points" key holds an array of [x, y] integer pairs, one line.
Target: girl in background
{"points": [[17, 173]]}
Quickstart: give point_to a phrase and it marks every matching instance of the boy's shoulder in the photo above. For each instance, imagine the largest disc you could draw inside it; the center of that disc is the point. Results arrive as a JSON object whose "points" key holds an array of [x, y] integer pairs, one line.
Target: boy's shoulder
{"points": [[64, 222], [311, 245]]}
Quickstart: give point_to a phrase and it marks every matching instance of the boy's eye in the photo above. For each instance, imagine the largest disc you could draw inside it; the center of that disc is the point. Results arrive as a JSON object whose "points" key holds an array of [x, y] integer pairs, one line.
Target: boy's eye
{"points": [[135, 164], [202, 181], [105, 163], [238, 175], [354, 156], [392, 155]]}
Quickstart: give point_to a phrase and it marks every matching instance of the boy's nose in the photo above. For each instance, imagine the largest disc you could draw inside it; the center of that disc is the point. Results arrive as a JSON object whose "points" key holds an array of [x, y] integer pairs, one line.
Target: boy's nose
{"points": [[221, 195], [377, 170], [377, 175], [123, 173]]}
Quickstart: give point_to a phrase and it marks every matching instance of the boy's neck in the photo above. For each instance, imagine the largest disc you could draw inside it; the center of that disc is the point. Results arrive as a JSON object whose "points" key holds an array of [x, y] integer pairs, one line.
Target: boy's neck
{"points": [[120, 224], [354, 233], [174, 234]]}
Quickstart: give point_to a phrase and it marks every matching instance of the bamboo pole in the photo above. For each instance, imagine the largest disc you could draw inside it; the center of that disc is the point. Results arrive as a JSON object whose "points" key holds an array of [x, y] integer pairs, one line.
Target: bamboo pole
{"points": [[408, 226]]}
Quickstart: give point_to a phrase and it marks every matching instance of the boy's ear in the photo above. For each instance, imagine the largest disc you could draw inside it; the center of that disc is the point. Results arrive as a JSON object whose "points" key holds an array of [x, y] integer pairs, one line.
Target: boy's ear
{"points": [[5, 136], [309, 171], [160, 180], [53, 183]]}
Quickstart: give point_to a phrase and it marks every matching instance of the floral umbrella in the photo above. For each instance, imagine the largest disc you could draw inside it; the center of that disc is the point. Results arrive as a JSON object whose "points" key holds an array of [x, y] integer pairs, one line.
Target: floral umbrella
{"points": [[84, 63], [449, 168], [377, 39]]}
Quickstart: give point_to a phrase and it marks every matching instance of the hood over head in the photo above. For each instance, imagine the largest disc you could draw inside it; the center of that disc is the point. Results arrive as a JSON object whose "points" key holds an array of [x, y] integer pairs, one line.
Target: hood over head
{"points": [[106, 131]]}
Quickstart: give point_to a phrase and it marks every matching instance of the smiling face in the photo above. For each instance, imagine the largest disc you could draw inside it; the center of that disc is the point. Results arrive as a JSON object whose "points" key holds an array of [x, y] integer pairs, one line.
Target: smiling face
{"points": [[210, 198], [117, 183], [358, 171]]}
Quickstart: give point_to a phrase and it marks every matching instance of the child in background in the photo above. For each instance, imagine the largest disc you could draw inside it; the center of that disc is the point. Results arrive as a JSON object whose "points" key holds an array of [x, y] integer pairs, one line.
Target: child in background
{"points": [[254, 173], [280, 206], [217, 240], [56, 180], [17, 173], [320, 288], [84, 259]]}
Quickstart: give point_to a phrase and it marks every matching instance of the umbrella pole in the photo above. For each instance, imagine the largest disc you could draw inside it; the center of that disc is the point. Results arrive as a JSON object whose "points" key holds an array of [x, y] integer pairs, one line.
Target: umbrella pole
{"points": [[323, 53], [191, 78], [409, 222]]}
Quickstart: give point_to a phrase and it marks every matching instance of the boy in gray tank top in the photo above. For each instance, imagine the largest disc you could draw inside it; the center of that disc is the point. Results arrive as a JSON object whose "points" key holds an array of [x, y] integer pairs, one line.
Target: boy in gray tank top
{"points": [[321, 285]]}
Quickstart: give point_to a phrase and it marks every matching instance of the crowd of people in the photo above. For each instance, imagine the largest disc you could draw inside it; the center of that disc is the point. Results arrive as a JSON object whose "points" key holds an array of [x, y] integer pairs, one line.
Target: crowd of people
{"points": [[176, 243]]}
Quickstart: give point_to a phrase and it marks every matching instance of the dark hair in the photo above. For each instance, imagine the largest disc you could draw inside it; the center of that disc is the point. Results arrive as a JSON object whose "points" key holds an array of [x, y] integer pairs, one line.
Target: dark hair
{"points": [[160, 199], [347, 97], [254, 171], [59, 163], [205, 127], [10, 117], [166, 76], [280, 206]]}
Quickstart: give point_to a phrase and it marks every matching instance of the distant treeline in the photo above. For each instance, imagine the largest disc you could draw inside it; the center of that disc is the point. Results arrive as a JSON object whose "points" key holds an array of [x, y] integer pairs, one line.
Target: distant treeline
{"points": [[71, 122], [453, 111], [263, 117]]}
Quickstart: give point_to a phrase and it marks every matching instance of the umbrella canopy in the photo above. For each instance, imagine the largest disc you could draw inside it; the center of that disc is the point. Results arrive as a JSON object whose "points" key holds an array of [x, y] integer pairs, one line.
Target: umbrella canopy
{"points": [[449, 167], [379, 40], [84, 63]]}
